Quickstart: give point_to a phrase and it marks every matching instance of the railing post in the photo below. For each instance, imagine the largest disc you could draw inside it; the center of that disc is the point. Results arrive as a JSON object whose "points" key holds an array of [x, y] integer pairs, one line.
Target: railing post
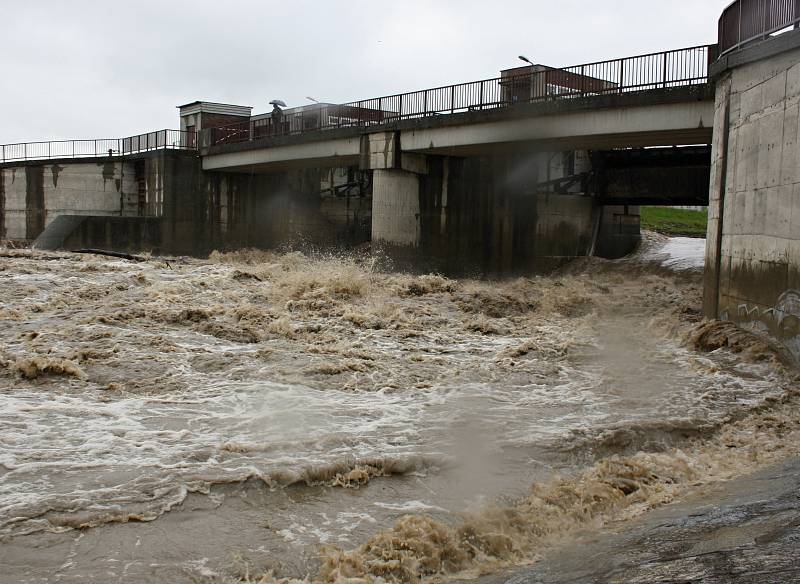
{"points": [[452, 98], [621, 74], [664, 84], [480, 97], [48, 149], [25, 151], [583, 81], [739, 32], [400, 109]]}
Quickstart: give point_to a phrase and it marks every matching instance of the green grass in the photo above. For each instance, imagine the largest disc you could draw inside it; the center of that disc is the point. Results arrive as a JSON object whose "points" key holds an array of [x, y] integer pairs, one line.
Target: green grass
{"points": [[671, 221]]}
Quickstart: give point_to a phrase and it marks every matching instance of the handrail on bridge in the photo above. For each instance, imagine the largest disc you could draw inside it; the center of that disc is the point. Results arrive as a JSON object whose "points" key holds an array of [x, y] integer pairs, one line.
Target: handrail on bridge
{"points": [[158, 140], [746, 21], [676, 68]]}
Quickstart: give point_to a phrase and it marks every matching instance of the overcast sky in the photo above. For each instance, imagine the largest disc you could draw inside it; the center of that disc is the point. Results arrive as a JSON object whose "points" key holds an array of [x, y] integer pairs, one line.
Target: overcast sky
{"points": [[111, 68]]}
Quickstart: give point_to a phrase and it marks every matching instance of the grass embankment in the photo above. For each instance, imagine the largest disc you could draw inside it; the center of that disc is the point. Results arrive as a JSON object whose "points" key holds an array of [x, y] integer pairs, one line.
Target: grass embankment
{"points": [[670, 221]]}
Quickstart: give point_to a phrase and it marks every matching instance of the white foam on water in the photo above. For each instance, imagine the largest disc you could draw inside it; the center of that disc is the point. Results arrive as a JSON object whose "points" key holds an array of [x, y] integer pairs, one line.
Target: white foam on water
{"points": [[678, 253], [74, 455]]}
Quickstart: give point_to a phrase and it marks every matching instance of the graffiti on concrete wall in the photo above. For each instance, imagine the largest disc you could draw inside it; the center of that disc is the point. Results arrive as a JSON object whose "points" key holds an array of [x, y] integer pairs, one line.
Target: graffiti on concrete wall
{"points": [[782, 320]]}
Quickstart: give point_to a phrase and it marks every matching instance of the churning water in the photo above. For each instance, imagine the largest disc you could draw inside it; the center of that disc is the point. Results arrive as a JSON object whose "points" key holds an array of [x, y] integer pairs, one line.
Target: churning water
{"points": [[262, 415]]}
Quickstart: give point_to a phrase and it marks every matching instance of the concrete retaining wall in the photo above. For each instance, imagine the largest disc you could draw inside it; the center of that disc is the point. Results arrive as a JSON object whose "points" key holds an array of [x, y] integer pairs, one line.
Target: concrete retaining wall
{"points": [[753, 250], [197, 211], [33, 194]]}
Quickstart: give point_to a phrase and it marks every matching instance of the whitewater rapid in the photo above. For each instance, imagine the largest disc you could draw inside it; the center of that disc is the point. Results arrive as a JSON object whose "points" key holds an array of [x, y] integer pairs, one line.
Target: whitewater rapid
{"points": [[127, 389]]}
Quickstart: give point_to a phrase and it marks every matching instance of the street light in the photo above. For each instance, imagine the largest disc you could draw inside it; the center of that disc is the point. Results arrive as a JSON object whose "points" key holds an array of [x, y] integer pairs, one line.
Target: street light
{"points": [[526, 59]]}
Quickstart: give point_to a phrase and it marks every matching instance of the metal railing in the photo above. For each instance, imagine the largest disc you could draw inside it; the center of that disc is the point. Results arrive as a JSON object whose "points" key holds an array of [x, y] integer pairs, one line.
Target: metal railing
{"points": [[745, 21], [533, 84], [158, 140]]}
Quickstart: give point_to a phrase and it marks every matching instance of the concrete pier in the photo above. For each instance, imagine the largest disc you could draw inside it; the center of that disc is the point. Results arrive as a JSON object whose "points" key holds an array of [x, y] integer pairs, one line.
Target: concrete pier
{"points": [[396, 208]]}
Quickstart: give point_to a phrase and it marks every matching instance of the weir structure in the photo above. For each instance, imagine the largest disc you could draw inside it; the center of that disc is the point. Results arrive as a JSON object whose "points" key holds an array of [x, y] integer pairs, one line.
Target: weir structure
{"points": [[509, 174], [514, 173]]}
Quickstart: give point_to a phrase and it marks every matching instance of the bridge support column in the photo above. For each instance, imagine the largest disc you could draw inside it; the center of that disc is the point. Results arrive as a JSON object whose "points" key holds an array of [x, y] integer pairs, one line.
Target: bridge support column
{"points": [[396, 208], [396, 214]]}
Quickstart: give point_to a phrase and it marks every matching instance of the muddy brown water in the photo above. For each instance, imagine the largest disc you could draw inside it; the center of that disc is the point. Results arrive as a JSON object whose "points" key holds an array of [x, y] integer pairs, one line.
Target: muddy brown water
{"points": [[275, 414]]}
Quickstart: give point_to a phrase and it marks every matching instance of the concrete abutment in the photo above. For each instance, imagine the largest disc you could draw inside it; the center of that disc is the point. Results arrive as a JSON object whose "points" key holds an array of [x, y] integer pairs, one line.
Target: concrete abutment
{"points": [[753, 245]]}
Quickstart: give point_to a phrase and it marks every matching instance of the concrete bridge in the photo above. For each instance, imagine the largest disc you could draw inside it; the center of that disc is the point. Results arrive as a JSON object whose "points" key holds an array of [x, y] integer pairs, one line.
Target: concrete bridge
{"points": [[647, 100], [470, 167], [677, 115]]}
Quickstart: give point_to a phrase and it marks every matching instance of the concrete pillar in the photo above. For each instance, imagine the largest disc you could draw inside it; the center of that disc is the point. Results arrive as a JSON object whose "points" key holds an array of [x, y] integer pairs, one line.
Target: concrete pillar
{"points": [[395, 208], [380, 150], [716, 197]]}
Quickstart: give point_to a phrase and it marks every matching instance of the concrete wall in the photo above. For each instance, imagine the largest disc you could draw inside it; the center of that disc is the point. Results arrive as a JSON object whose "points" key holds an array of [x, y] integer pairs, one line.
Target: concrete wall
{"points": [[753, 249], [197, 212], [35, 194]]}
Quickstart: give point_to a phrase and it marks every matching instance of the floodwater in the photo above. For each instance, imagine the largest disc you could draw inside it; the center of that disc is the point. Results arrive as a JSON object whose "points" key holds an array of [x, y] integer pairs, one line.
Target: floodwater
{"points": [[261, 416]]}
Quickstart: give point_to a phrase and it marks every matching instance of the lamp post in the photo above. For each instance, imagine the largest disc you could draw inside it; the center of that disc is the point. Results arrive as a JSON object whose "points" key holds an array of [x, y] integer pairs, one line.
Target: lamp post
{"points": [[529, 79]]}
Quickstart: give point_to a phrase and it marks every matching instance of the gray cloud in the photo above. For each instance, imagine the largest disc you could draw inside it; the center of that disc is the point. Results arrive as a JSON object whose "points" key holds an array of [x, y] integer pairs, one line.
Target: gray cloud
{"points": [[86, 68]]}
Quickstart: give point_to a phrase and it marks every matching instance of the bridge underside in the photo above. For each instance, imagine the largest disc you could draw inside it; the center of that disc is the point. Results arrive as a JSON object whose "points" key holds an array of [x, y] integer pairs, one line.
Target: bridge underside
{"points": [[652, 176]]}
